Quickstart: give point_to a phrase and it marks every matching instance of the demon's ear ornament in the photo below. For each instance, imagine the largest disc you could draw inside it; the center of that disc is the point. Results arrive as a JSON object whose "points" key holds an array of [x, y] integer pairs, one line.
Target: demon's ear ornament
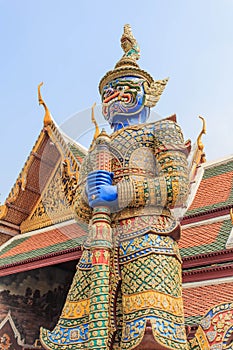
{"points": [[154, 91]]}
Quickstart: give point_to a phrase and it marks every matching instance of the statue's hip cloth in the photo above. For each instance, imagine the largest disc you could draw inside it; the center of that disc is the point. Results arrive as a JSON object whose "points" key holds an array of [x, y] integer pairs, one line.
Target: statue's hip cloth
{"points": [[150, 269]]}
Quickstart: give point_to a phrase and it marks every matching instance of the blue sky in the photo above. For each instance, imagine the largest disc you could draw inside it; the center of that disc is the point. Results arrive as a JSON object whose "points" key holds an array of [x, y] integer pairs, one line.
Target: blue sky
{"points": [[70, 44]]}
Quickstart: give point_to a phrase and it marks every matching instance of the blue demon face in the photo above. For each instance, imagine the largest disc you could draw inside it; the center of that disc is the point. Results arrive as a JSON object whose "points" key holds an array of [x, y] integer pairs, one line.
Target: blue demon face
{"points": [[123, 102]]}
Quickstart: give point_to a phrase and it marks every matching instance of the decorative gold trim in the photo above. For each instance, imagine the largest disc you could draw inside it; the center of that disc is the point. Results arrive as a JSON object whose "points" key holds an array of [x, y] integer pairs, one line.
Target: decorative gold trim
{"points": [[22, 178], [39, 217], [199, 155], [154, 91], [47, 116], [152, 298], [76, 309], [14, 192], [67, 171], [63, 148], [21, 182], [200, 339], [124, 71], [231, 215], [3, 211], [97, 130], [199, 141]]}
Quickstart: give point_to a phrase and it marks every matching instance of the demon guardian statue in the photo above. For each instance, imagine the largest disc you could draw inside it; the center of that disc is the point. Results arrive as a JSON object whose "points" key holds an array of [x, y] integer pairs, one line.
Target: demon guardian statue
{"points": [[127, 293]]}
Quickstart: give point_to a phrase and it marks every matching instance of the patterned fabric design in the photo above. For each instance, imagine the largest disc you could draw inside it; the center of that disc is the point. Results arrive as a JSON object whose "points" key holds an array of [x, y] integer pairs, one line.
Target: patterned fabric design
{"points": [[153, 272], [146, 244], [151, 291]]}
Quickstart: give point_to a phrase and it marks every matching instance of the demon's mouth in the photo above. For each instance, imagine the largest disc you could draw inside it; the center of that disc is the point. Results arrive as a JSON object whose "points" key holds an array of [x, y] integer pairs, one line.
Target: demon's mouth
{"points": [[118, 96]]}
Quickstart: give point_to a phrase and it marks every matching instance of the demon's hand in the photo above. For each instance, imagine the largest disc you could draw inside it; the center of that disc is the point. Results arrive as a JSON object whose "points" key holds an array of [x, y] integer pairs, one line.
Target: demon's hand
{"points": [[99, 189]]}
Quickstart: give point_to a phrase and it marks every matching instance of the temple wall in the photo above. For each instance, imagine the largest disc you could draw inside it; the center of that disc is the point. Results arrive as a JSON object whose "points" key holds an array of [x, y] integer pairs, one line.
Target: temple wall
{"points": [[34, 298]]}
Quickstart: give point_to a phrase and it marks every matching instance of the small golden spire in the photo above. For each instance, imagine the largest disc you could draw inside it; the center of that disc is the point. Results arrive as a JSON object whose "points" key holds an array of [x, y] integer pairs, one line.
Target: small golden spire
{"points": [[203, 131], [199, 155], [47, 116], [200, 144], [231, 215], [97, 130]]}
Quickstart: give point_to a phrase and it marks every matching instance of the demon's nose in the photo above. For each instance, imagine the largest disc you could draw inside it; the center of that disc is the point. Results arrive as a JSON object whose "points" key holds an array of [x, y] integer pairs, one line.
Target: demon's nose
{"points": [[108, 92]]}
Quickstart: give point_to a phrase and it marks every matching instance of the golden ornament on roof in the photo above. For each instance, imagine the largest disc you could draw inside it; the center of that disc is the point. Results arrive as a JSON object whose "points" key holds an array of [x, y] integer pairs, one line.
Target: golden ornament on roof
{"points": [[47, 116]]}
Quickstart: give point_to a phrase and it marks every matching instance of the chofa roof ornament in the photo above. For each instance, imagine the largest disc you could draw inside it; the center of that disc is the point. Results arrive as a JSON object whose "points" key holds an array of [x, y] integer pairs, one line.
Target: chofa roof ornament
{"points": [[127, 66]]}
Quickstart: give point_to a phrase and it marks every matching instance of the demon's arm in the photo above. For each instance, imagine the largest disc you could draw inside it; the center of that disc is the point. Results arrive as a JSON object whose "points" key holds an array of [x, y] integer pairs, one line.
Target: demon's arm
{"points": [[169, 187]]}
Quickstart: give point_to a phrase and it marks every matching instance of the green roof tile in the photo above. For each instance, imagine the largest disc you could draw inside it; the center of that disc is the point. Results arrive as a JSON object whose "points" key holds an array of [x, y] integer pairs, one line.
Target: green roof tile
{"points": [[59, 247], [76, 151]]}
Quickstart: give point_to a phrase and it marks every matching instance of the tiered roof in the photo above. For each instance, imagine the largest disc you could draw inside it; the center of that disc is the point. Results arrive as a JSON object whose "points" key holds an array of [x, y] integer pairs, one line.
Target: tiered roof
{"points": [[36, 212], [31, 250], [199, 299], [207, 258], [50, 150], [215, 192], [210, 236]]}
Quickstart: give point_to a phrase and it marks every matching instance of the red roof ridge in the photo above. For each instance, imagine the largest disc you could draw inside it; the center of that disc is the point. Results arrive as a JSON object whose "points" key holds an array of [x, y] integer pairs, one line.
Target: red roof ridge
{"points": [[210, 282], [217, 162], [206, 215], [207, 221]]}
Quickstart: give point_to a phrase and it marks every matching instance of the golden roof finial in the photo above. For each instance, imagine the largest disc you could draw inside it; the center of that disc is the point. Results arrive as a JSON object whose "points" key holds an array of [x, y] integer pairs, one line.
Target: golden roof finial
{"points": [[199, 155], [97, 130], [200, 144], [231, 215], [47, 116]]}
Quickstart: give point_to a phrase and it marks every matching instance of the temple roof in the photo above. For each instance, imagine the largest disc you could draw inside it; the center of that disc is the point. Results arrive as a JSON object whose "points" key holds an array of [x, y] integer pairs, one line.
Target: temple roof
{"points": [[42, 247], [215, 191], [207, 229], [205, 236], [200, 298], [51, 149]]}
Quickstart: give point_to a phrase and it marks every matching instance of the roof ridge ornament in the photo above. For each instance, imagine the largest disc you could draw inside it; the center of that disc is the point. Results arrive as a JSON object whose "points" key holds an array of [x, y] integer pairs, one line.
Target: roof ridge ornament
{"points": [[47, 116], [199, 141], [231, 215]]}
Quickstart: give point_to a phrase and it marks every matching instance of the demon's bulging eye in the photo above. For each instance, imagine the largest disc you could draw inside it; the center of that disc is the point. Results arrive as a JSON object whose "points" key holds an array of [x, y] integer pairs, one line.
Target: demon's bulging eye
{"points": [[121, 87]]}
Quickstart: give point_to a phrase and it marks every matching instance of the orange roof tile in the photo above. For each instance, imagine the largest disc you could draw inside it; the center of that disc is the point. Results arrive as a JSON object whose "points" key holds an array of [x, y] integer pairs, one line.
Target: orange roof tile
{"points": [[27, 245], [198, 235], [206, 238], [213, 190], [198, 300]]}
